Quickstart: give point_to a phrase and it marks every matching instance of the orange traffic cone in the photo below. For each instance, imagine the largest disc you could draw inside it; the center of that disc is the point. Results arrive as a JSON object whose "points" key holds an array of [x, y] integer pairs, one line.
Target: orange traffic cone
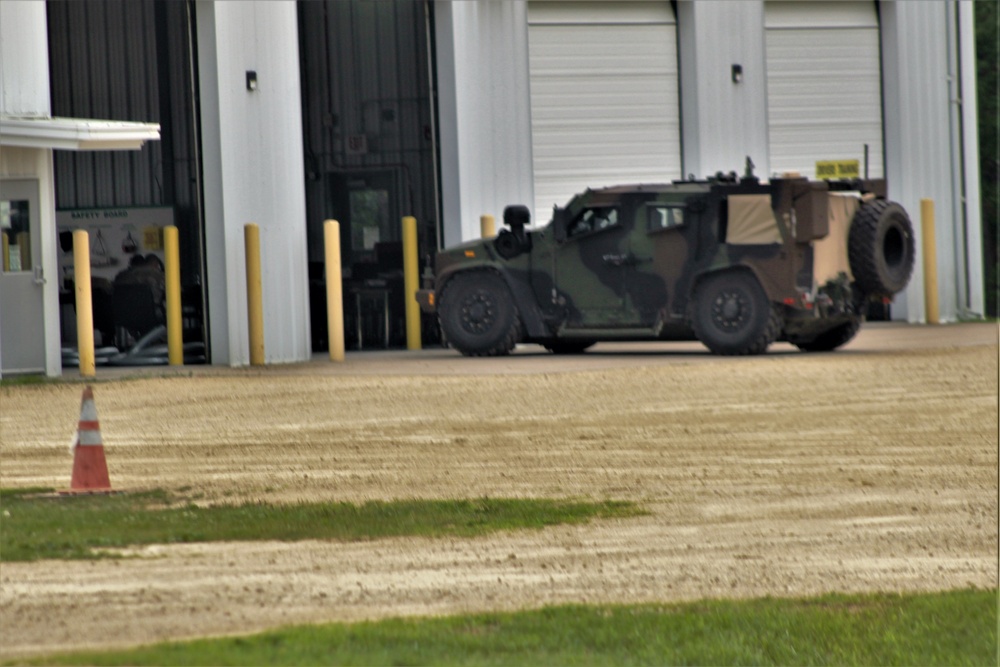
{"points": [[90, 470]]}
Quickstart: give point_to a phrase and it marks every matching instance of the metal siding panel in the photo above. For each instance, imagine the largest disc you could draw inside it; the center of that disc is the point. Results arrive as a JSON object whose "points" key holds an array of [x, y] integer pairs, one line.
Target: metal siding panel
{"points": [[917, 133], [970, 154], [81, 99], [365, 29], [96, 22], [61, 91], [723, 122], [317, 113], [259, 180], [144, 91], [485, 134], [123, 166], [388, 95], [24, 74], [114, 59], [604, 107]]}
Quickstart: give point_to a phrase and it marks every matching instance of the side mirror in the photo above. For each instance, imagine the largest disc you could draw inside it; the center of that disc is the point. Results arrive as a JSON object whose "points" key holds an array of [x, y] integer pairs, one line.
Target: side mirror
{"points": [[559, 224], [517, 217]]}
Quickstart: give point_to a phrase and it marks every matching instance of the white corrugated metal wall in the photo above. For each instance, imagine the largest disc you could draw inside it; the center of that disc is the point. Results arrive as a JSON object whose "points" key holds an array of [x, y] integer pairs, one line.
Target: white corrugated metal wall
{"points": [[24, 91], [604, 97], [723, 121], [921, 157], [24, 59], [253, 167], [483, 112]]}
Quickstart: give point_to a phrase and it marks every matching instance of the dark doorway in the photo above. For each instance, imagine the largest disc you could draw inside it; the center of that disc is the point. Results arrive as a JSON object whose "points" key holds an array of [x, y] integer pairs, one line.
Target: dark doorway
{"points": [[369, 148], [130, 60], [367, 205]]}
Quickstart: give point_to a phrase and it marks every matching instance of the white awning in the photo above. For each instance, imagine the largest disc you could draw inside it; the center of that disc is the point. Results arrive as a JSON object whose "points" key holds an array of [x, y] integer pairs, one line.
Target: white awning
{"points": [[76, 134]]}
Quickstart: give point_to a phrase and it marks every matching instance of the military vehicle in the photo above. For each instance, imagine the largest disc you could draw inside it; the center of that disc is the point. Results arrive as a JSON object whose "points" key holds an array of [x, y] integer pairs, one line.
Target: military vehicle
{"points": [[730, 261]]}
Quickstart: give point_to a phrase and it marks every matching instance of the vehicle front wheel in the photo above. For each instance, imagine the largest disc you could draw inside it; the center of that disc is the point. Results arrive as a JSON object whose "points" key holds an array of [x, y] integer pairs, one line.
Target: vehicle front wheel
{"points": [[733, 316], [478, 315]]}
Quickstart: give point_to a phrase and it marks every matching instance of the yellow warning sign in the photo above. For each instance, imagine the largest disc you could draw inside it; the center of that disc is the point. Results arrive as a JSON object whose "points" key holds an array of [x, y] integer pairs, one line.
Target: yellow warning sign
{"points": [[838, 169], [152, 238]]}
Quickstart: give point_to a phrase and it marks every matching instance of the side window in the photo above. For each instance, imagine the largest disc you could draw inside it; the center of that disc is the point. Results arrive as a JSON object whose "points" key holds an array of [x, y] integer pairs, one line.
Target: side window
{"points": [[592, 220], [665, 217], [14, 228]]}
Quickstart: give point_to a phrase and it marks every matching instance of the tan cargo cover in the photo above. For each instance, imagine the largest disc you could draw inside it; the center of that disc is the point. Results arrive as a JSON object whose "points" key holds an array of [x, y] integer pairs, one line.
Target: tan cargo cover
{"points": [[751, 220], [830, 254]]}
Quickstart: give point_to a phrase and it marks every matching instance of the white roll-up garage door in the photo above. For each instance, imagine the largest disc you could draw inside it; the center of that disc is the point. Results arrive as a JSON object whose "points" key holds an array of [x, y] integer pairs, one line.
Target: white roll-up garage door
{"points": [[604, 97], [823, 84]]}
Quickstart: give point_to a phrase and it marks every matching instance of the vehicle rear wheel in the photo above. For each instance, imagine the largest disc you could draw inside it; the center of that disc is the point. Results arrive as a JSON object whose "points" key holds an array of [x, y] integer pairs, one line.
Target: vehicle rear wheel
{"points": [[733, 316], [832, 339], [478, 316], [880, 248], [568, 346]]}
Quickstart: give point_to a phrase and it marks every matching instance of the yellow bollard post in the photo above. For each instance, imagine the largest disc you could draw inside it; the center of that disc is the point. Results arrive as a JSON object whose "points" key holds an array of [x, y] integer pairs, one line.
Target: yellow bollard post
{"points": [[487, 227], [334, 290], [411, 283], [84, 303], [255, 294], [930, 261], [172, 274]]}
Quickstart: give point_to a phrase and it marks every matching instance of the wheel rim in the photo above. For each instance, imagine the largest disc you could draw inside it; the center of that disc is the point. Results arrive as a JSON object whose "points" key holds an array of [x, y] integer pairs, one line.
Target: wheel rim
{"points": [[478, 312], [731, 310]]}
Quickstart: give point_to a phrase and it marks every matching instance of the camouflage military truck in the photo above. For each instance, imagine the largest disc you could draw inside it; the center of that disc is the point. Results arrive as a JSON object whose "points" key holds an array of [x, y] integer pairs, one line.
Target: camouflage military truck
{"points": [[732, 262]]}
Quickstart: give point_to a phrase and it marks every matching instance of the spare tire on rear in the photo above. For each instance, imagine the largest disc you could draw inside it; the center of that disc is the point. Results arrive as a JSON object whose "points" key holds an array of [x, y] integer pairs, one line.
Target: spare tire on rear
{"points": [[880, 248]]}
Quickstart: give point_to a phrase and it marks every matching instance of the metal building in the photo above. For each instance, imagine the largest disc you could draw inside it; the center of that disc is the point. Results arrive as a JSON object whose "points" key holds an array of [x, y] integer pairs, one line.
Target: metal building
{"points": [[287, 113]]}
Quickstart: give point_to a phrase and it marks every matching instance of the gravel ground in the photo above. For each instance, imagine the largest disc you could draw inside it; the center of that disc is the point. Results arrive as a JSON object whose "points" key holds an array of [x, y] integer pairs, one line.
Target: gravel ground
{"points": [[871, 469]]}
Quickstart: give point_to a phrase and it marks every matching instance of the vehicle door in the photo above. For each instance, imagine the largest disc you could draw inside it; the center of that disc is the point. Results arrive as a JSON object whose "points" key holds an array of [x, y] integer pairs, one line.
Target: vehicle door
{"points": [[590, 265], [662, 250]]}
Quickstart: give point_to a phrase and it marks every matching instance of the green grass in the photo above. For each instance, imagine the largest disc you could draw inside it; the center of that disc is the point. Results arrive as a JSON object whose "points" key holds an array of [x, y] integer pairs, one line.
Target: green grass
{"points": [[23, 380], [952, 628], [34, 526]]}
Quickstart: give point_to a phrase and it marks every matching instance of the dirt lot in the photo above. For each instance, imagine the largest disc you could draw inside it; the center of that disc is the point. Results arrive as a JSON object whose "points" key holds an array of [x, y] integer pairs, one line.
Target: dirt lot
{"points": [[873, 468]]}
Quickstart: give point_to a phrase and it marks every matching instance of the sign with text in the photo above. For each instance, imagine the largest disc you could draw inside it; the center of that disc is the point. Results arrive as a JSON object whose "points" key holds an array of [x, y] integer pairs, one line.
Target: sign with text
{"points": [[116, 236], [827, 169]]}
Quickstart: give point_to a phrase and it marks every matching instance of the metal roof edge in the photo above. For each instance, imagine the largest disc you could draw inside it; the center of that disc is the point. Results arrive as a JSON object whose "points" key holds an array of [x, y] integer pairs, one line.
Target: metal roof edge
{"points": [[75, 134]]}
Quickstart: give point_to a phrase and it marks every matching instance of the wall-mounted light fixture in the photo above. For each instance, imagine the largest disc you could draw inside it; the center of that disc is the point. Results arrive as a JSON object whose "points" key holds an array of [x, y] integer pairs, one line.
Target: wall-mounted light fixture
{"points": [[251, 80], [737, 71]]}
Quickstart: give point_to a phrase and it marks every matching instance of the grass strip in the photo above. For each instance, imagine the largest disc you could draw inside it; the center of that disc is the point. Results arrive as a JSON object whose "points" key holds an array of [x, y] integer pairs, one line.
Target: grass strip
{"points": [[35, 526], [950, 628]]}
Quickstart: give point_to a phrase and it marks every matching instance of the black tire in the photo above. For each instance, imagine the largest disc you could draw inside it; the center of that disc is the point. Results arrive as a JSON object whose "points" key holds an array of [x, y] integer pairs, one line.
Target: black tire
{"points": [[568, 346], [832, 339], [478, 316], [733, 316], [881, 248]]}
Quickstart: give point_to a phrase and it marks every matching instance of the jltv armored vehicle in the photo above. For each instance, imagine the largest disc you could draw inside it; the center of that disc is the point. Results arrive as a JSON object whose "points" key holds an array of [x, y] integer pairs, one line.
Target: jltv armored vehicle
{"points": [[732, 262]]}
